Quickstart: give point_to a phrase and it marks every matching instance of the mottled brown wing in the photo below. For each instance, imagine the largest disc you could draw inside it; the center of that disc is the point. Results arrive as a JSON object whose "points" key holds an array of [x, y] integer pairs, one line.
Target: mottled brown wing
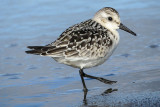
{"points": [[87, 39], [65, 36], [88, 42]]}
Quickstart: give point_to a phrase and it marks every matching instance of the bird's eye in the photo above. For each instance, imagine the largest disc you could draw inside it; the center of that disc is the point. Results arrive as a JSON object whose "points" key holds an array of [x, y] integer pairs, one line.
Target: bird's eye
{"points": [[110, 18]]}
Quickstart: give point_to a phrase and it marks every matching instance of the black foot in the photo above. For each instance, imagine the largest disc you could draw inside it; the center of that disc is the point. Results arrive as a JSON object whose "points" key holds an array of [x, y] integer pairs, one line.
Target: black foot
{"points": [[106, 81]]}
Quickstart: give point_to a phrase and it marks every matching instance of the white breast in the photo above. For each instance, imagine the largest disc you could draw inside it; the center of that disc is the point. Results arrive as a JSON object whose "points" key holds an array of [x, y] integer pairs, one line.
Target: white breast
{"points": [[100, 61]]}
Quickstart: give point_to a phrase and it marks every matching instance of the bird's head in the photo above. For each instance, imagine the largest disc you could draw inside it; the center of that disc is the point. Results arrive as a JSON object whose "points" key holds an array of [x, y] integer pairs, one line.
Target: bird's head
{"points": [[109, 18]]}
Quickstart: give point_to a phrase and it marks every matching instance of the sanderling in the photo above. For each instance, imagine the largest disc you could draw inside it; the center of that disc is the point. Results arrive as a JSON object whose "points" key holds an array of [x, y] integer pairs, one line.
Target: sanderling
{"points": [[87, 44]]}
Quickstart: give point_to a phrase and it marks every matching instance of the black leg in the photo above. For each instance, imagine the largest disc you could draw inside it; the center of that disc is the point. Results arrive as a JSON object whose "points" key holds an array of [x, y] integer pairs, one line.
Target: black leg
{"points": [[99, 78], [83, 82], [82, 74]]}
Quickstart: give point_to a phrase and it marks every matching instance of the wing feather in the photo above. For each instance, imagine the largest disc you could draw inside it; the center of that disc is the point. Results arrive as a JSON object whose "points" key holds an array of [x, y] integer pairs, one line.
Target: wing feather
{"points": [[81, 40]]}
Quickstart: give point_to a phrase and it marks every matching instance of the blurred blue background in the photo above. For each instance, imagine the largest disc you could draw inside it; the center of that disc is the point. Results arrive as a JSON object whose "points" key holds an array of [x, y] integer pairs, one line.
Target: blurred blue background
{"points": [[28, 80]]}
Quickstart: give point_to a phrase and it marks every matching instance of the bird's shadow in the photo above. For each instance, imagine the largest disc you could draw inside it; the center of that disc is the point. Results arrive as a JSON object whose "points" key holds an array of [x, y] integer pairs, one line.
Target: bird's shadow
{"points": [[106, 92]]}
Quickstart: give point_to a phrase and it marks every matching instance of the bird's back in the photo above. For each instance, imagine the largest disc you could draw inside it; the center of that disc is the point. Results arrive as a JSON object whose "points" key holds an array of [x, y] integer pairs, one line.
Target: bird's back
{"points": [[82, 45]]}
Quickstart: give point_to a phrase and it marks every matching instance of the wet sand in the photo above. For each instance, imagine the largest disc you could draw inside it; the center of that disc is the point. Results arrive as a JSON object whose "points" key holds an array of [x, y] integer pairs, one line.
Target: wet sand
{"points": [[139, 89], [34, 81]]}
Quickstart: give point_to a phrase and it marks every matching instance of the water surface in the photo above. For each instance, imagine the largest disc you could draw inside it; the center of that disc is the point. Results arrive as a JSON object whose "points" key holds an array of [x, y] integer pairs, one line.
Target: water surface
{"points": [[28, 80]]}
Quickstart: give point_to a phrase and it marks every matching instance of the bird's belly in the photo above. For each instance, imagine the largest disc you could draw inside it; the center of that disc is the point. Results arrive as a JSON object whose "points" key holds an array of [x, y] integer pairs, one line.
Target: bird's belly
{"points": [[83, 63], [86, 62], [98, 61]]}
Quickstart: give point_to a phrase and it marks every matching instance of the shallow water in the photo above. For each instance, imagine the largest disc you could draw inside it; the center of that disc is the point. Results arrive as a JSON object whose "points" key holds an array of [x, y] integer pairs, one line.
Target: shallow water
{"points": [[28, 80]]}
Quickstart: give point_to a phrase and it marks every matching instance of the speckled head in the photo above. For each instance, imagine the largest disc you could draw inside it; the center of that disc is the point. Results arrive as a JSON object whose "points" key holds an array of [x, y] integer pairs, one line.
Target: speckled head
{"points": [[110, 19], [110, 10]]}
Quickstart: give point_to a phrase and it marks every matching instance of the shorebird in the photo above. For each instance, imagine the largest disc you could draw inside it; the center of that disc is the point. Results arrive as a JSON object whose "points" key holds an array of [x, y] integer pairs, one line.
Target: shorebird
{"points": [[87, 44]]}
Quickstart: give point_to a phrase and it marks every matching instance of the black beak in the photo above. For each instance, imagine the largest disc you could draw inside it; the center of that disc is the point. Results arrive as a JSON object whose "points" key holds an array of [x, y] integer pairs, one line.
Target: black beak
{"points": [[121, 26]]}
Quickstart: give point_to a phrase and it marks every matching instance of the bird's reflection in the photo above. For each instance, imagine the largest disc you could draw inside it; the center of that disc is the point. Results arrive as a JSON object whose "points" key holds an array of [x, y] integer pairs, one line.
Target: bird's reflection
{"points": [[84, 99], [110, 90]]}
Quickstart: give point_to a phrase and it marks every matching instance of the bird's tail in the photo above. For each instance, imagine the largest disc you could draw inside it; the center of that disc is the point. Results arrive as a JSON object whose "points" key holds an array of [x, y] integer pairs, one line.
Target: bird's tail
{"points": [[46, 50], [36, 50]]}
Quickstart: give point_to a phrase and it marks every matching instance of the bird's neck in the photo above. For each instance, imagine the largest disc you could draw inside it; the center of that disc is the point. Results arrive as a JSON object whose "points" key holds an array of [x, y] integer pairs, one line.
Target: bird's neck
{"points": [[107, 26]]}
